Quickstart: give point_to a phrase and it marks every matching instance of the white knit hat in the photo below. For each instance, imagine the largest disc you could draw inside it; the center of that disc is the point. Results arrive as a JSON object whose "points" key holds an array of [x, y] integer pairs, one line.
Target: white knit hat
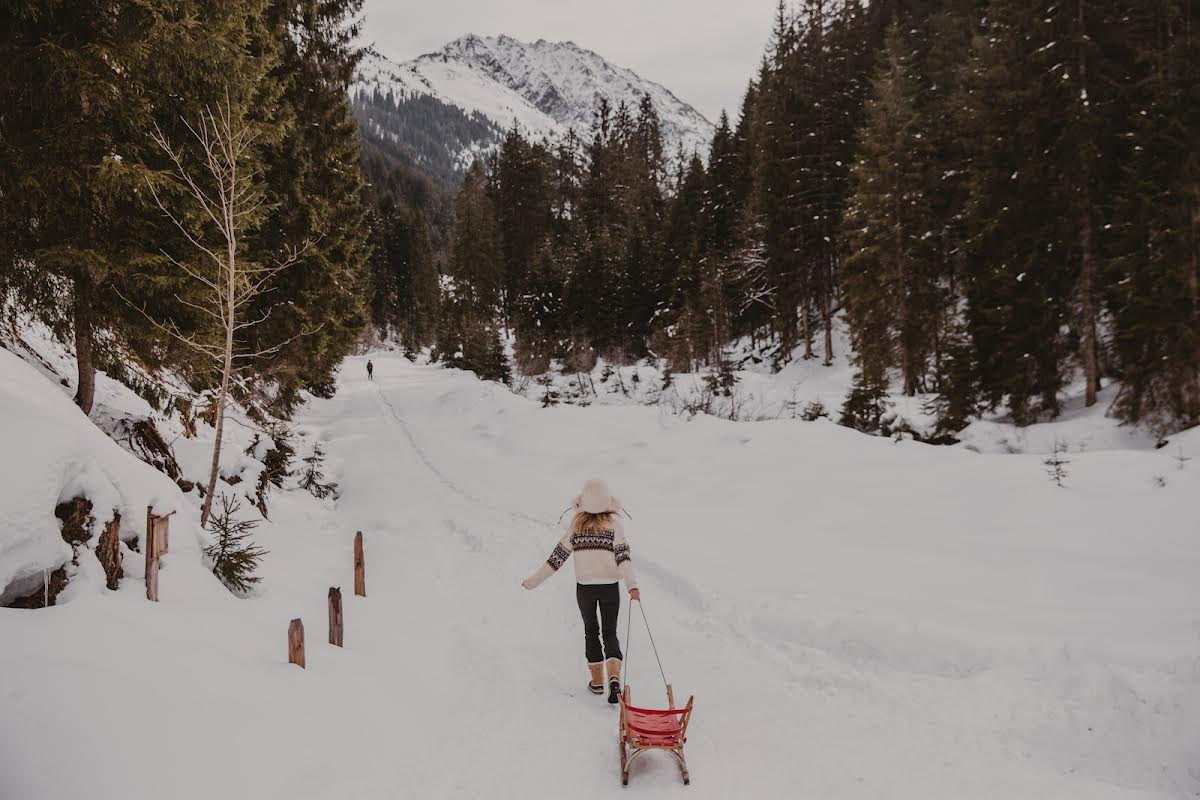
{"points": [[596, 499]]}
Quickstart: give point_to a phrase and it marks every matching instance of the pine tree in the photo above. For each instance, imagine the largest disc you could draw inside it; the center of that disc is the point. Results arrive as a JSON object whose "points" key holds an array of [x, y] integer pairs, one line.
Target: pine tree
{"points": [[1045, 76], [889, 287], [520, 193], [1153, 275], [233, 554], [318, 196], [312, 476], [476, 259], [405, 289], [867, 403], [540, 323], [79, 228]]}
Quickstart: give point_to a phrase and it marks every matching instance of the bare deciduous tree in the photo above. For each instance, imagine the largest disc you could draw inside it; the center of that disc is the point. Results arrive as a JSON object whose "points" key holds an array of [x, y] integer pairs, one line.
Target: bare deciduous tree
{"points": [[227, 193]]}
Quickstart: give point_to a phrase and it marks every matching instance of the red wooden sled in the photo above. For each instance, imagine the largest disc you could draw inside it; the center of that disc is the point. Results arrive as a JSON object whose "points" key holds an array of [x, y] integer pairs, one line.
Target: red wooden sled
{"points": [[644, 729]]}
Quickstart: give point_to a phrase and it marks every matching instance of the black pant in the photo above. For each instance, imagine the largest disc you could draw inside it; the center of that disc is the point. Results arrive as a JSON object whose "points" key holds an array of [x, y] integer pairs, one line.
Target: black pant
{"points": [[608, 597]]}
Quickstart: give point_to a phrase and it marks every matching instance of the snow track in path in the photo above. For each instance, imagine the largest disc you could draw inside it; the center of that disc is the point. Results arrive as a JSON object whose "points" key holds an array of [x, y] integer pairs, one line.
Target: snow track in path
{"points": [[390, 409]]}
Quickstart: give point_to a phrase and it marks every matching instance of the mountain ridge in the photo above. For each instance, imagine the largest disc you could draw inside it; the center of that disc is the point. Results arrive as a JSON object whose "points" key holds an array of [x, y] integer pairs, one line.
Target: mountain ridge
{"points": [[491, 83]]}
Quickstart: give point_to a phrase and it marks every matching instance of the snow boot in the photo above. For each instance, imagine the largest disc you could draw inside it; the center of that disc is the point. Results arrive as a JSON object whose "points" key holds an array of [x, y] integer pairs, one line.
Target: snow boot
{"points": [[614, 680], [596, 684]]}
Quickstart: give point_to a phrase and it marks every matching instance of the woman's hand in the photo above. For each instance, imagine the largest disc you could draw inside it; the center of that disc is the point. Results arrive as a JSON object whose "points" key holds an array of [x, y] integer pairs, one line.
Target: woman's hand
{"points": [[525, 584], [634, 594]]}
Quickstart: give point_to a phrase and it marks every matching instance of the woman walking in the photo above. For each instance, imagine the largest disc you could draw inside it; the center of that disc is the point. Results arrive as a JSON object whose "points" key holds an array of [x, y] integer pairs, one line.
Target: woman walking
{"points": [[597, 540]]}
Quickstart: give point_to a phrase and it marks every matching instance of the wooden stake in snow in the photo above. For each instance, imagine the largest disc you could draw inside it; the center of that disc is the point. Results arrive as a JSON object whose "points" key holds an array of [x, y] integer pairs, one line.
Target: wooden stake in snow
{"points": [[360, 570], [162, 530], [296, 643], [335, 616], [156, 544], [151, 571]]}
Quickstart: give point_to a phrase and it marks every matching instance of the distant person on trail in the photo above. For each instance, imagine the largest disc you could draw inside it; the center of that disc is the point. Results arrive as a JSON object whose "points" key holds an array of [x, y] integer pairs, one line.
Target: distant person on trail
{"points": [[597, 539], [370, 371]]}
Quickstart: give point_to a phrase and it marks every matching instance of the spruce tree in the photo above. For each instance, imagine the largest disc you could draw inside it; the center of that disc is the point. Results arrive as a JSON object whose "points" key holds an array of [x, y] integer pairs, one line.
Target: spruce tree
{"points": [[888, 282], [520, 193], [84, 86], [476, 258], [312, 475], [318, 195], [1153, 274], [234, 555]]}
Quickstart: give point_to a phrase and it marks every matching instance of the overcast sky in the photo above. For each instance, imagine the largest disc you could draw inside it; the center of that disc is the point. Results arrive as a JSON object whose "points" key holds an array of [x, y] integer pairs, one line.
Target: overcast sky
{"points": [[705, 51]]}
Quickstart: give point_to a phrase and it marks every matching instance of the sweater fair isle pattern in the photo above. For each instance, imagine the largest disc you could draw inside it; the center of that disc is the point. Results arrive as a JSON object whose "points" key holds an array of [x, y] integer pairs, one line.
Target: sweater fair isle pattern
{"points": [[601, 555]]}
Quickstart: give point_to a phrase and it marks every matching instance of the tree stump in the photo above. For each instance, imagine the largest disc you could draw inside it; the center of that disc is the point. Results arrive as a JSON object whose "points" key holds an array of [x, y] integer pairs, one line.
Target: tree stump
{"points": [[335, 616], [360, 570], [108, 551], [296, 643]]}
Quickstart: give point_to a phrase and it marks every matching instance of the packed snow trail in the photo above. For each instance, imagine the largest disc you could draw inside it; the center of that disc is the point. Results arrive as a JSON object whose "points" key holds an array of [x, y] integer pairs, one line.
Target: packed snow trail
{"points": [[856, 618], [786, 702]]}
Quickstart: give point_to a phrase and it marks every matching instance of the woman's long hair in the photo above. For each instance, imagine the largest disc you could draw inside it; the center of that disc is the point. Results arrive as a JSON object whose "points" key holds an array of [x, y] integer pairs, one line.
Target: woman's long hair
{"points": [[590, 523]]}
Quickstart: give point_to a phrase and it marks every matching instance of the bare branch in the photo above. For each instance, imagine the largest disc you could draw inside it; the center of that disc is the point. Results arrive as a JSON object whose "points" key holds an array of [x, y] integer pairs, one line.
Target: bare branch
{"points": [[275, 349], [258, 321], [172, 330]]}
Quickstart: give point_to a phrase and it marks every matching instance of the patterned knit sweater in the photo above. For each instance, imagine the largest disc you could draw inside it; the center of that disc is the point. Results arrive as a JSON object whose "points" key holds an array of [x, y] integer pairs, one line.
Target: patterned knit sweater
{"points": [[599, 556]]}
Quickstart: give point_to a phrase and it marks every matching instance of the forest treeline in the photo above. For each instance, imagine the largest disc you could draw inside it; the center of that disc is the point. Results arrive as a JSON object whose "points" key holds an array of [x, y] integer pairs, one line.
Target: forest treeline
{"points": [[999, 197], [103, 239]]}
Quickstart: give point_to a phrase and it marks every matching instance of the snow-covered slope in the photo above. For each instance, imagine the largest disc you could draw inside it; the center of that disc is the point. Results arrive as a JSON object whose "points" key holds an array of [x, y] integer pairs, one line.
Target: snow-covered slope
{"points": [[545, 87], [53, 453], [857, 618]]}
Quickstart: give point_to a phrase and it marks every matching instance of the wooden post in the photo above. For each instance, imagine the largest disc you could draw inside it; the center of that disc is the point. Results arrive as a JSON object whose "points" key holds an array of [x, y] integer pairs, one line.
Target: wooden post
{"points": [[150, 548], [161, 530], [164, 533], [360, 570], [335, 615], [296, 643]]}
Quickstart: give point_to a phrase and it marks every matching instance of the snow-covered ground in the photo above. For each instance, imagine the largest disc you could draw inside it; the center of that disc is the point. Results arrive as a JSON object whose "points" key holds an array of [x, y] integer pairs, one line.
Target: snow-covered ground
{"points": [[800, 386], [857, 617]]}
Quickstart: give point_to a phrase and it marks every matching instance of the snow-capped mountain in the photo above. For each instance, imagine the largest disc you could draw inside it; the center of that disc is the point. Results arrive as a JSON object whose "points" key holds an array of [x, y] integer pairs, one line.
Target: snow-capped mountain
{"points": [[545, 87]]}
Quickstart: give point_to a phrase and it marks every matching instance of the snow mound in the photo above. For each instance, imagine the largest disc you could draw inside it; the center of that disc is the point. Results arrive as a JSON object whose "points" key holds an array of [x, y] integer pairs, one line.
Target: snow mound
{"points": [[55, 453]]}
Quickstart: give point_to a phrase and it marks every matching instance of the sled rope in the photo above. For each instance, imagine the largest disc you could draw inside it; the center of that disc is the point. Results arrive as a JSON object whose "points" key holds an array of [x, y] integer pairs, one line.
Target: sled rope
{"points": [[629, 641]]}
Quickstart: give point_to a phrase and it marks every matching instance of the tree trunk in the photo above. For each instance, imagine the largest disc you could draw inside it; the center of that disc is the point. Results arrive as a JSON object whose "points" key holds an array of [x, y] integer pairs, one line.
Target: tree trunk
{"points": [[85, 393], [226, 371], [827, 318], [1193, 284], [806, 330], [901, 291], [1087, 291], [1087, 275], [215, 468], [1193, 278]]}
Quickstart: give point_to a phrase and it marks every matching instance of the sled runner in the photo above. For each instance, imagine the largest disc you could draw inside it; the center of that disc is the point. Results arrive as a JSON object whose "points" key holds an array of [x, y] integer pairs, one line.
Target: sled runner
{"points": [[644, 729]]}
